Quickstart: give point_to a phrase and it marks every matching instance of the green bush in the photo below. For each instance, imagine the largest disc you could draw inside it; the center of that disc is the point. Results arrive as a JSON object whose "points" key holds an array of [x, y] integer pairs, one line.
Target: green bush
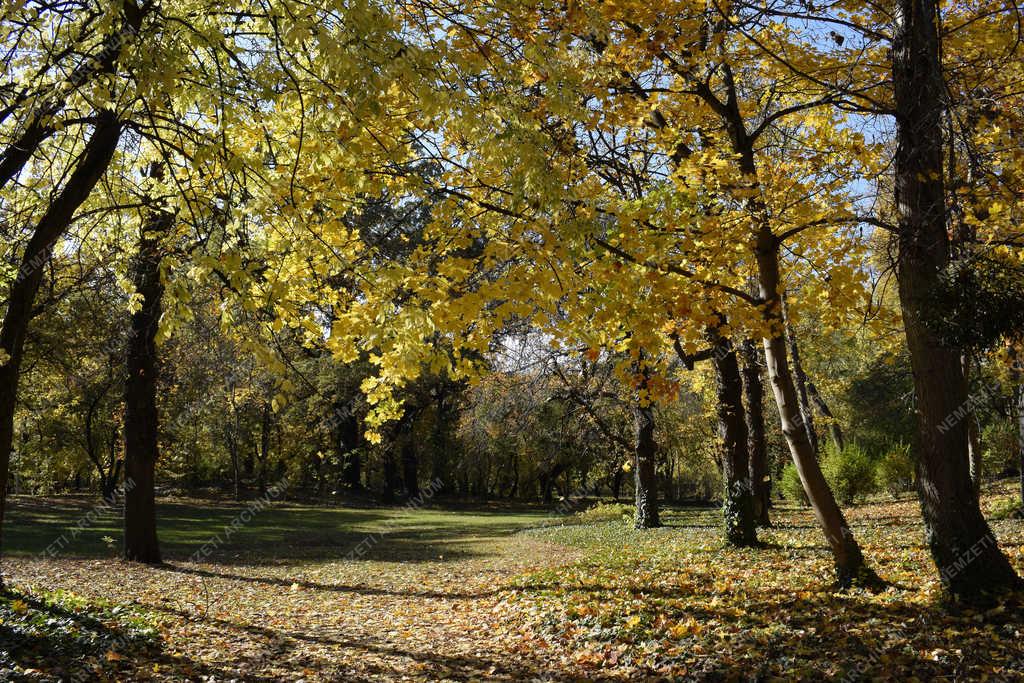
{"points": [[849, 472], [791, 486], [1007, 508], [604, 512], [998, 448], [894, 470]]}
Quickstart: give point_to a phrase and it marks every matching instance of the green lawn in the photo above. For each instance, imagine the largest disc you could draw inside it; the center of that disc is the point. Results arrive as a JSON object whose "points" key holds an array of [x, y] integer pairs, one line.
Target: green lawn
{"points": [[85, 527]]}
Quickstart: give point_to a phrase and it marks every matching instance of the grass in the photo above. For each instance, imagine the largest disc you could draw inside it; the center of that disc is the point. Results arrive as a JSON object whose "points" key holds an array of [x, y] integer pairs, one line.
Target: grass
{"points": [[281, 532], [489, 593], [69, 636]]}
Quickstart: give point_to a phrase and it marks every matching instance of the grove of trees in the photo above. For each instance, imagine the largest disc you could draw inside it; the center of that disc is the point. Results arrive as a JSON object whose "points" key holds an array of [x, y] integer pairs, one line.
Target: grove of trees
{"points": [[527, 249]]}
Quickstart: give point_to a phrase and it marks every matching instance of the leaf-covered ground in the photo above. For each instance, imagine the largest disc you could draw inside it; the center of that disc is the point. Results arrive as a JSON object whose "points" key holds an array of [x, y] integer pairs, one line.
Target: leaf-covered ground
{"points": [[485, 595]]}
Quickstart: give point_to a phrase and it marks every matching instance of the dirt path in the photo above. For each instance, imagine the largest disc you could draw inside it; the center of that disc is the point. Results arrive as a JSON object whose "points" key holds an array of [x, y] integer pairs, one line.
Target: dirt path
{"points": [[338, 621]]}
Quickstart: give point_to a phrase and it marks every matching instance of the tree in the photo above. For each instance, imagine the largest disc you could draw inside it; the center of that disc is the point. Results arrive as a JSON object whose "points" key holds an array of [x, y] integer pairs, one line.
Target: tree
{"points": [[90, 166], [955, 526], [141, 420], [632, 201], [740, 522], [753, 392], [645, 456]]}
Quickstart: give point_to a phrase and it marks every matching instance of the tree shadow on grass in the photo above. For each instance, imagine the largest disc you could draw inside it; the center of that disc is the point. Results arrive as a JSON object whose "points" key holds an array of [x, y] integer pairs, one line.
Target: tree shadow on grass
{"points": [[235, 533], [808, 635], [328, 587], [424, 664]]}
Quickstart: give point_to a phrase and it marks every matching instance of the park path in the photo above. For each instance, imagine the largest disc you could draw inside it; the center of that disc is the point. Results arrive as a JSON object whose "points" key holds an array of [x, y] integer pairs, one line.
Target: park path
{"points": [[424, 618]]}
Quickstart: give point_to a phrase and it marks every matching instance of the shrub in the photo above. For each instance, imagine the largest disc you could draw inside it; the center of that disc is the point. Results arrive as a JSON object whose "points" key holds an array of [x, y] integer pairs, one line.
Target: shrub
{"points": [[604, 512], [999, 449], [849, 472], [791, 486], [894, 470], [1007, 508]]}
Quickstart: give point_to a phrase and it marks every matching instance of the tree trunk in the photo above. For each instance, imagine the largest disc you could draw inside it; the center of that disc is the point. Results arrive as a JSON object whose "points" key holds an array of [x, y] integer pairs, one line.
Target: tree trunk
{"points": [[757, 444], [973, 444], [388, 495], [236, 475], [266, 427], [974, 463], [515, 477], [441, 466], [965, 551], [833, 426], [738, 507], [1020, 441], [849, 561], [90, 167], [410, 469], [249, 462], [318, 475], [141, 420], [645, 455], [617, 482], [113, 471], [92, 448], [545, 489], [109, 482], [348, 446], [806, 414]]}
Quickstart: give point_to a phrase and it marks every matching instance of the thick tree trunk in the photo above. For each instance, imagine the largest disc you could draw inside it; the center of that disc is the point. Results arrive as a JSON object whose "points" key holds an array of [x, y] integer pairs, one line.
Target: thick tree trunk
{"points": [[645, 456], [141, 420], [965, 551], [352, 472], [89, 169], [738, 507], [757, 444], [833, 426]]}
